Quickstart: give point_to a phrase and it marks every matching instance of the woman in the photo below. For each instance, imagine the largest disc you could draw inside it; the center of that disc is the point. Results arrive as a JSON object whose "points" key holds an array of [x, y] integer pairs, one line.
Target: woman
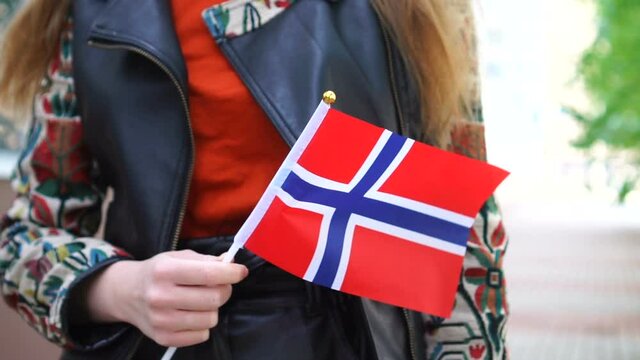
{"points": [[186, 123]]}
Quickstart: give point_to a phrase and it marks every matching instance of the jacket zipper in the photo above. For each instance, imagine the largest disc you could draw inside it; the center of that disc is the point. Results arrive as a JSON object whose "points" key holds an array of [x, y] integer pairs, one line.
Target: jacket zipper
{"points": [[403, 131], [411, 330], [392, 80], [183, 97]]}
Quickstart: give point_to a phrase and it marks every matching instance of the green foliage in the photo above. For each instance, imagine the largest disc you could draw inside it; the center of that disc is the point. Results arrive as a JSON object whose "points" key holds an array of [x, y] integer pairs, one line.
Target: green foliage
{"points": [[610, 69], [8, 129]]}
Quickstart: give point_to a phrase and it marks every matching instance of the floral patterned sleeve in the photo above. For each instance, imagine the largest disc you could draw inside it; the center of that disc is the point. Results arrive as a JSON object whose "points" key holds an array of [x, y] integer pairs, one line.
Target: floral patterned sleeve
{"points": [[45, 245], [477, 327]]}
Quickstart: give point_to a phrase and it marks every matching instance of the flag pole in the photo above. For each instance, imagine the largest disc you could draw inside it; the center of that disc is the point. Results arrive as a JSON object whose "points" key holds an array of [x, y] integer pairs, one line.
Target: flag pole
{"points": [[329, 98], [231, 253]]}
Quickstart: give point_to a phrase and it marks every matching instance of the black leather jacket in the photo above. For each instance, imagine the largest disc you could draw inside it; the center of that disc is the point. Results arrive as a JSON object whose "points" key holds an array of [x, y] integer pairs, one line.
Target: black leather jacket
{"points": [[136, 120]]}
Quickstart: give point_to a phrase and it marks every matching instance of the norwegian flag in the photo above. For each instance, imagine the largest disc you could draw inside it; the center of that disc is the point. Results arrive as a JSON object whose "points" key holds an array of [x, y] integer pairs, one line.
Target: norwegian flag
{"points": [[359, 209]]}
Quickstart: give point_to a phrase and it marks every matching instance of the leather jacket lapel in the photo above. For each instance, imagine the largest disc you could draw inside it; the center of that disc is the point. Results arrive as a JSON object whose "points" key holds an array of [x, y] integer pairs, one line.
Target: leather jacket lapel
{"points": [[312, 47], [146, 25], [343, 64]]}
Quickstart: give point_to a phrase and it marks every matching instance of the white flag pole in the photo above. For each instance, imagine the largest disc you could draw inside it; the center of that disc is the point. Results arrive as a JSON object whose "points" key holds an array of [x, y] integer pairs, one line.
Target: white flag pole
{"points": [[169, 353], [328, 98]]}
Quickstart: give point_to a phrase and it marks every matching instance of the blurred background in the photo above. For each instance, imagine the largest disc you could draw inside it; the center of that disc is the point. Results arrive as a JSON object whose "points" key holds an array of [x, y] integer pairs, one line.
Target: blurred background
{"points": [[562, 109], [573, 265]]}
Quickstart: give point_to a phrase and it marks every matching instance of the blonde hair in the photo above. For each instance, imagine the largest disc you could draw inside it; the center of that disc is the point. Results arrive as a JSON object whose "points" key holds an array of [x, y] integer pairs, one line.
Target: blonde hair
{"points": [[422, 30], [29, 44]]}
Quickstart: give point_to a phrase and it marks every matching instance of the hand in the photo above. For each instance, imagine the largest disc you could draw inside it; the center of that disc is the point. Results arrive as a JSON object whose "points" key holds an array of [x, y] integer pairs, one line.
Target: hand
{"points": [[173, 298]]}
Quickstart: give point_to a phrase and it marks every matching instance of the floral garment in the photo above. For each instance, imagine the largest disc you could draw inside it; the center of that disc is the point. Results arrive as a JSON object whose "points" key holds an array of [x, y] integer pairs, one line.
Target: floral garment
{"points": [[45, 243], [237, 17], [477, 327]]}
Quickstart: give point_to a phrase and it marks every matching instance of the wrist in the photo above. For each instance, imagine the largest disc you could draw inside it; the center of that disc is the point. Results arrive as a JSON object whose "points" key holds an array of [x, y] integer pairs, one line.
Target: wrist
{"points": [[108, 294]]}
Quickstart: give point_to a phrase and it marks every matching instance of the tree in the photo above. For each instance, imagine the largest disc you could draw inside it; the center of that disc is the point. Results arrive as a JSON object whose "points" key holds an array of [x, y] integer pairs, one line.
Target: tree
{"points": [[610, 69]]}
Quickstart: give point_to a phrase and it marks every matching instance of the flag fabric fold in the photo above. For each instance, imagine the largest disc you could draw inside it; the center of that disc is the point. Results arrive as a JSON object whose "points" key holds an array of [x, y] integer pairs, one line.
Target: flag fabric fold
{"points": [[359, 209]]}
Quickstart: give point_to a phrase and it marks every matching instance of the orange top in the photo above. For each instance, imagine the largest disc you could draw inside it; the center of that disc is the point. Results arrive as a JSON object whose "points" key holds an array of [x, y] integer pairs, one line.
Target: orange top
{"points": [[238, 150]]}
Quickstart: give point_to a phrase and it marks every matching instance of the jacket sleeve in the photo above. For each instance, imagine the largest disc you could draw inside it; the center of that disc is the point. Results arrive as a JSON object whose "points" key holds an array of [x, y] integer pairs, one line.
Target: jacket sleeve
{"points": [[477, 326], [46, 243]]}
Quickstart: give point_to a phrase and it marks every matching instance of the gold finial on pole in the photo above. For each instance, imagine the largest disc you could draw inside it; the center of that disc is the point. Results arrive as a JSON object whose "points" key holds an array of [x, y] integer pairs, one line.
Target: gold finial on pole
{"points": [[329, 97]]}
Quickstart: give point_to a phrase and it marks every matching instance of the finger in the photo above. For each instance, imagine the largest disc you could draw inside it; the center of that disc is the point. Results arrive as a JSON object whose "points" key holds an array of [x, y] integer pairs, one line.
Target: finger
{"points": [[198, 298], [192, 255], [178, 320], [181, 338], [207, 273], [223, 255]]}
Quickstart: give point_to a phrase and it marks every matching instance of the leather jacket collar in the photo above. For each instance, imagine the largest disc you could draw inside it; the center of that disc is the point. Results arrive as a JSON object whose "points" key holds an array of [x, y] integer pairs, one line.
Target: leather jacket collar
{"points": [[148, 27], [146, 24]]}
